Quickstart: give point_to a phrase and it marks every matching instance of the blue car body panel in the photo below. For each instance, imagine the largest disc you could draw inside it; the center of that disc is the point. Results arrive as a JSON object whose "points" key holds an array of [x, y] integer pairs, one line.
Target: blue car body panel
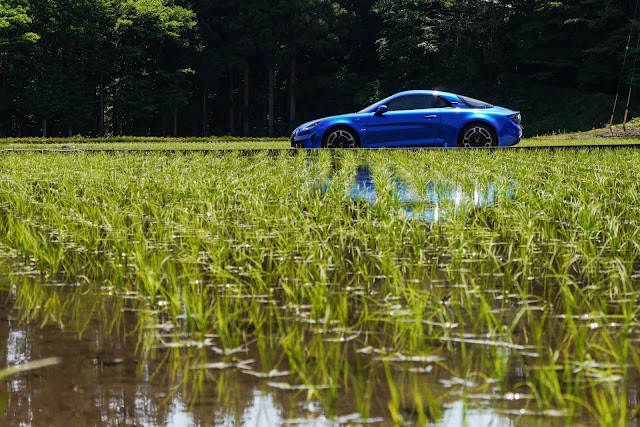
{"points": [[403, 128], [436, 127]]}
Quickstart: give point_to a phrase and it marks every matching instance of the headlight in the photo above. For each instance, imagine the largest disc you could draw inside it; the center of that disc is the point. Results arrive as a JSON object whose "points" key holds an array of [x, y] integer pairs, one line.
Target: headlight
{"points": [[312, 125], [516, 117]]}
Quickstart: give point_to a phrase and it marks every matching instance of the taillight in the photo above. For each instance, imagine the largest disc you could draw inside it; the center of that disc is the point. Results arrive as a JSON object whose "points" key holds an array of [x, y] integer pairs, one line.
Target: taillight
{"points": [[516, 117]]}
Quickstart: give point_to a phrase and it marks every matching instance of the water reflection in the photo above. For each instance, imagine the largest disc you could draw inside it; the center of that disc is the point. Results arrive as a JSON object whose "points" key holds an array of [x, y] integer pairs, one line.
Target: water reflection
{"points": [[363, 188], [110, 379], [458, 415], [262, 410], [436, 201]]}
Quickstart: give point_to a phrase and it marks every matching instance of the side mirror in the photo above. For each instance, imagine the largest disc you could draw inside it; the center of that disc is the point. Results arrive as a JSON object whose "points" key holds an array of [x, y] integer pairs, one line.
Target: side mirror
{"points": [[381, 110]]}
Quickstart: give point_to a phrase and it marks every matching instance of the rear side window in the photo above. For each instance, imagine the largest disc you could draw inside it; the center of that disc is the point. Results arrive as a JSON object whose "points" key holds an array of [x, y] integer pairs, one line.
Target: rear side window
{"points": [[474, 103], [441, 103], [410, 102]]}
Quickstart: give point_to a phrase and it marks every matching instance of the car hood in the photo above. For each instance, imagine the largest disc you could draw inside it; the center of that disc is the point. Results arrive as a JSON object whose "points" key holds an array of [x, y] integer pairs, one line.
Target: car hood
{"points": [[338, 116]]}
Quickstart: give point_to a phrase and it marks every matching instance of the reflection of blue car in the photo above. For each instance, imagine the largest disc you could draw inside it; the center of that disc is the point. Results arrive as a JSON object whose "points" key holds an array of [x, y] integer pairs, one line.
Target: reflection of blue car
{"points": [[416, 118]]}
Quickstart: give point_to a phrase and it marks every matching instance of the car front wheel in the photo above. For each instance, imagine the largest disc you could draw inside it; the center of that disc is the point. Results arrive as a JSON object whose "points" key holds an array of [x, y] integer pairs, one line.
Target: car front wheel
{"points": [[477, 135], [340, 138]]}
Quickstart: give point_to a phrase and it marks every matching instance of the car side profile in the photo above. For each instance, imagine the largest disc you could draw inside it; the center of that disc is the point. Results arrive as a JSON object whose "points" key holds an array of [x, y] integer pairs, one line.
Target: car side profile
{"points": [[416, 118]]}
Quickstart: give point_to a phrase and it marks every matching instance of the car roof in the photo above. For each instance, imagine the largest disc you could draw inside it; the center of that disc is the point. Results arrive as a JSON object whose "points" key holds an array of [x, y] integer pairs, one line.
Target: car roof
{"points": [[424, 92], [450, 96]]}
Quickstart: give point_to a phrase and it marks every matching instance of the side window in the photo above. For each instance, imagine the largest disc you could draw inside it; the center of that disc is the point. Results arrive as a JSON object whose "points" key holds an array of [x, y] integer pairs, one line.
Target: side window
{"points": [[410, 102], [474, 103], [441, 103]]}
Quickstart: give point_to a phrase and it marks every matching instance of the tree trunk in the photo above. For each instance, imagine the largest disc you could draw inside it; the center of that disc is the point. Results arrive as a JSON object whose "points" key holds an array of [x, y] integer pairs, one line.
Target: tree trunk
{"points": [[204, 113], [101, 105], [270, 112], [245, 104], [175, 121], [69, 131], [117, 126], [44, 128], [230, 103], [292, 95]]}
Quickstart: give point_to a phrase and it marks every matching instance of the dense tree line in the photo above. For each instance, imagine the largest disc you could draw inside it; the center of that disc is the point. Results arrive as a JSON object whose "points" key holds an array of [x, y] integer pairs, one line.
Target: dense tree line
{"points": [[260, 67]]}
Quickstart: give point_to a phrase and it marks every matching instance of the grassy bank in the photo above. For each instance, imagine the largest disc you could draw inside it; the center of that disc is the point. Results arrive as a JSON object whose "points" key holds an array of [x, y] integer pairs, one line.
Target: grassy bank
{"points": [[606, 136], [146, 143]]}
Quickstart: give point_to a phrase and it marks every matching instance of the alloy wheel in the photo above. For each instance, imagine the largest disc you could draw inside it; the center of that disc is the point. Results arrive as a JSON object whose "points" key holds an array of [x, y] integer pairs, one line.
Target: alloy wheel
{"points": [[341, 138], [478, 136]]}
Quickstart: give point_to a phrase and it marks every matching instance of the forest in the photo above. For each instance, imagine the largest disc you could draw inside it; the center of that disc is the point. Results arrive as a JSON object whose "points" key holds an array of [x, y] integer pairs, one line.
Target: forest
{"points": [[261, 67]]}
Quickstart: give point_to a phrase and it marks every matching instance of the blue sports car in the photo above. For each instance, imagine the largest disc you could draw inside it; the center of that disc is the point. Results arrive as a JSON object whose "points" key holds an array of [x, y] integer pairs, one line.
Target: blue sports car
{"points": [[416, 118]]}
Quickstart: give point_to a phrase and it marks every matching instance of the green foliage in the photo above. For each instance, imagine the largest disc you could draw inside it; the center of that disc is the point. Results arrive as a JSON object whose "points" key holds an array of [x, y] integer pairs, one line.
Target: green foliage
{"points": [[143, 31], [143, 26], [417, 22], [556, 61], [17, 46], [72, 35], [14, 23]]}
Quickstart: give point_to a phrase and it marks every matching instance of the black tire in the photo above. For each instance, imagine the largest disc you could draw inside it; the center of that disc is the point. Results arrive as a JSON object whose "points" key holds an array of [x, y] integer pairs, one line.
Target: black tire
{"points": [[340, 137], [477, 135]]}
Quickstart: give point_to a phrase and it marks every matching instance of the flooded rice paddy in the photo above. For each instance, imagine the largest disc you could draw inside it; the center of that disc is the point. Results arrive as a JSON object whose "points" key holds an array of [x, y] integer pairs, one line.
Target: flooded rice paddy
{"points": [[318, 288]]}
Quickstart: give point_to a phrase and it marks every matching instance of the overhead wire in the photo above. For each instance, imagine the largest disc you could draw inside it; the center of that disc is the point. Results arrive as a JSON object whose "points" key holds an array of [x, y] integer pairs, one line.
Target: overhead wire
{"points": [[633, 73], [624, 61]]}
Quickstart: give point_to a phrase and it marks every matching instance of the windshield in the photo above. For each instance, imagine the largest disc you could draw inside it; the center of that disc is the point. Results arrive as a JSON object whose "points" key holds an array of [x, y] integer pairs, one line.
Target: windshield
{"points": [[372, 107], [364, 110]]}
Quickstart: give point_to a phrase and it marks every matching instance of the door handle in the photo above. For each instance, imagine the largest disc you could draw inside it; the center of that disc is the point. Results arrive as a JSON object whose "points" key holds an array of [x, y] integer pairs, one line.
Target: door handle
{"points": [[431, 116]]}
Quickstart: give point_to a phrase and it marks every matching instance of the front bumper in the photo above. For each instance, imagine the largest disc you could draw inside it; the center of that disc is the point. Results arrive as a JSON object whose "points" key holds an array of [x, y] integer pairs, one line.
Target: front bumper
{"points": [[305, 140]]}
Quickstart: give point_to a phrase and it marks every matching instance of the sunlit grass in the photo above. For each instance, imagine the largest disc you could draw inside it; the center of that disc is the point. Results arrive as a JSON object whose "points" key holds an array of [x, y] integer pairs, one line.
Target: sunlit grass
{"points": [[524, 284], [146, 144]]}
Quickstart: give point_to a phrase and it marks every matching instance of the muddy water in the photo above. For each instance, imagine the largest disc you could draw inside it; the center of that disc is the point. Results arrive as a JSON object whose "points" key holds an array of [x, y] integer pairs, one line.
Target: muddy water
{"points": [[101, 381], [104, 379], [95, 383]]}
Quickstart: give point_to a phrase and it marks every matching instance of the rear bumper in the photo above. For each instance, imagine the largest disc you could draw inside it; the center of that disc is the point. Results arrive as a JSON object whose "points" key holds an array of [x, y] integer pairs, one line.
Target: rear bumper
{"points": [[510, 134]]}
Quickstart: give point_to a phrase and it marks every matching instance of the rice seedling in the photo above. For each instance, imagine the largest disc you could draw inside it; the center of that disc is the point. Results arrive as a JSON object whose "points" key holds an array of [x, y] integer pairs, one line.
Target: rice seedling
{"points": [[357, 286]]}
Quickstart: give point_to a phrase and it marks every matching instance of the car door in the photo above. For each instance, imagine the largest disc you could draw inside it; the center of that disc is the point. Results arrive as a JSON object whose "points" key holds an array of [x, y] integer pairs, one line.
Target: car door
{"points": [[447, 134], [409, 121]]}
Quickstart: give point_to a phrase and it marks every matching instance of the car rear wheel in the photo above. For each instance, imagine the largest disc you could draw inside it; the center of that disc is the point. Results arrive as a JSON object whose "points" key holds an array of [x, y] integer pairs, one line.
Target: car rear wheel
{"points": [[341, 138], [477, 135]]}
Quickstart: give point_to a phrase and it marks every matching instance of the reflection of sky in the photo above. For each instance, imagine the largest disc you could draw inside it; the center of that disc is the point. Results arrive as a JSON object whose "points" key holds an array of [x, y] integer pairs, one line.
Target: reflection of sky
{"points": [[178, 416], [264, 411], [457, 415], [18, 350], [364, 189]]}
